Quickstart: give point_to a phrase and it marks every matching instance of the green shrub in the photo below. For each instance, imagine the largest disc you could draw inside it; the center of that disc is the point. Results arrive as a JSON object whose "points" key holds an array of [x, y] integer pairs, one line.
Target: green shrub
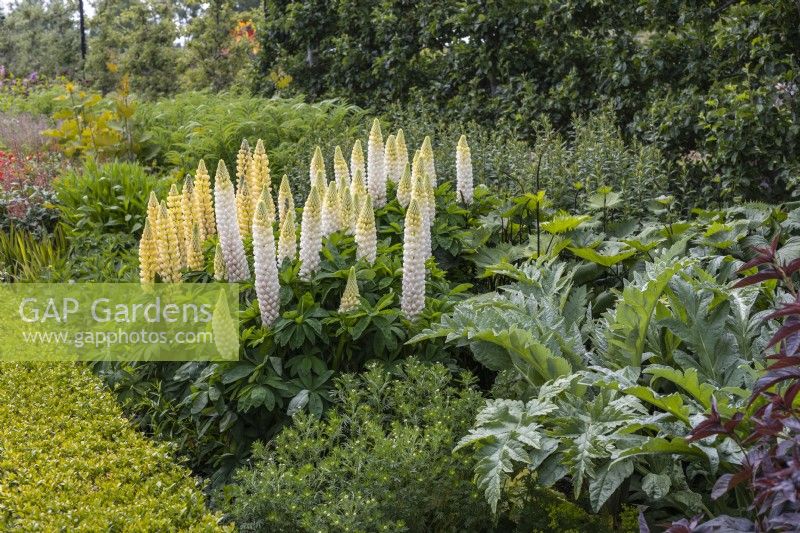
{"points": [[71, 462], [380, 460], [103, 209], [176, 133], [26, 256], [108, 198], [716, 77]]}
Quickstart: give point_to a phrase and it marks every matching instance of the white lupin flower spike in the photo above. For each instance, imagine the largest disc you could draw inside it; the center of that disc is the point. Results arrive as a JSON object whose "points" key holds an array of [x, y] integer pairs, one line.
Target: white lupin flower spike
{"points": [[463, 171], [310, 235], [264, 265], [412, 300], [365, 235], [376, 170], [230, 238]]}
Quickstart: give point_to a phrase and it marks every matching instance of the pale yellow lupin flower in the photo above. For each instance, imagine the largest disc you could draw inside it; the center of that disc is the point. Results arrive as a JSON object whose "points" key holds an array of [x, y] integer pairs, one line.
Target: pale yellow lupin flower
{"points": [[317, 165], [287, 240], [391, 160], [428, 166], [404, 187], [243, 159], [219, 264], [346, 206], [152, 210], [148, 255], [340, 171], [285, 199], [402, 149], [168, 255], [463, 171], [376, 169], [310, 235], [365, 235], [259, 175], [244, 204], [174, 205], [357, 163], [331, 210], [350, 296], [203, 205], [187, 212], [194, 251]]}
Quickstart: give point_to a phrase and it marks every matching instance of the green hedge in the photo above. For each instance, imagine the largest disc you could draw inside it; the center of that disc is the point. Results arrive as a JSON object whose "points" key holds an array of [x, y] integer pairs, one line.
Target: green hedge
{"points": [[69, 461]]}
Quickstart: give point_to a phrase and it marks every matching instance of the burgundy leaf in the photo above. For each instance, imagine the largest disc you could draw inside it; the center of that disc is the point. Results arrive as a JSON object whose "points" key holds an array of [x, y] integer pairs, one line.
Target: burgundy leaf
{"points": [[784, 331], [786, 310], [792, 267], [757, 278], [727, 482]]}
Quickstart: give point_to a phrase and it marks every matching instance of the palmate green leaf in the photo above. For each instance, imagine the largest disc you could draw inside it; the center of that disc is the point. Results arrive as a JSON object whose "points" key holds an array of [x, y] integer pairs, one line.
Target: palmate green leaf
{"points": [[608, 480], [659, 445], [628, 322], [563, 222], [608, 256], [503, 430], [522, 346], [702, 327], [672, 403], [686, 380]]}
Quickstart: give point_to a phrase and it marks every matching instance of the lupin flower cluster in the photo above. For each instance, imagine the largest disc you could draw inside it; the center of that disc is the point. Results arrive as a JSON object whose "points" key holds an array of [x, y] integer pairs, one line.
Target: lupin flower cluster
{"points": [[176, 229]]}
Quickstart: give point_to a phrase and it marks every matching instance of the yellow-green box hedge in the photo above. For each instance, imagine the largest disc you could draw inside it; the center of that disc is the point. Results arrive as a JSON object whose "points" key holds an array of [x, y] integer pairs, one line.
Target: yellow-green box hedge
{"points": [[69, 460]]}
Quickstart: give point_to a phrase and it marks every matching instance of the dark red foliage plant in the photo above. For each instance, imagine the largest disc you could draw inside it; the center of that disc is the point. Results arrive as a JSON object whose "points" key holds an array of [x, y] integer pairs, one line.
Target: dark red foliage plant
{"points": [[771, 467]]}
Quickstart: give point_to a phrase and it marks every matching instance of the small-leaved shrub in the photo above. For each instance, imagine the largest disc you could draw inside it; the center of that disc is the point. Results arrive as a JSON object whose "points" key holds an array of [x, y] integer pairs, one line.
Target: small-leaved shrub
{"points": [[71, 462]]}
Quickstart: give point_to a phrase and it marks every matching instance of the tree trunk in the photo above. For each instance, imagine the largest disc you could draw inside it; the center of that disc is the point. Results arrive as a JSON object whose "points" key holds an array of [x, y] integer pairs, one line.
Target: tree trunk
{"points": [[83, 32]]}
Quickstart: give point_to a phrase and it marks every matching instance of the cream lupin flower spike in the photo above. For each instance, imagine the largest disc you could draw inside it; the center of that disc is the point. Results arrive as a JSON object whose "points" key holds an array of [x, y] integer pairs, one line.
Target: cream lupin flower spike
{"points": [[264, 264], [310, 235], [169, 258], [412, 299], [428, 166], [317, 165], [346, 206], [331, 210], [174, 203], [194, 257], [259, 177], [152, 210], [219, 264], [244, 204], [148, 255], [230, 237], [187, 214], [357, 163], [350, 296], [340, 171], [404, 188], [287, 240], [243, 159], [402, 149], [463, 171], [365, 235], [391, 160], [203, 206], [419, 192], [285, 199], [376, 169]]}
